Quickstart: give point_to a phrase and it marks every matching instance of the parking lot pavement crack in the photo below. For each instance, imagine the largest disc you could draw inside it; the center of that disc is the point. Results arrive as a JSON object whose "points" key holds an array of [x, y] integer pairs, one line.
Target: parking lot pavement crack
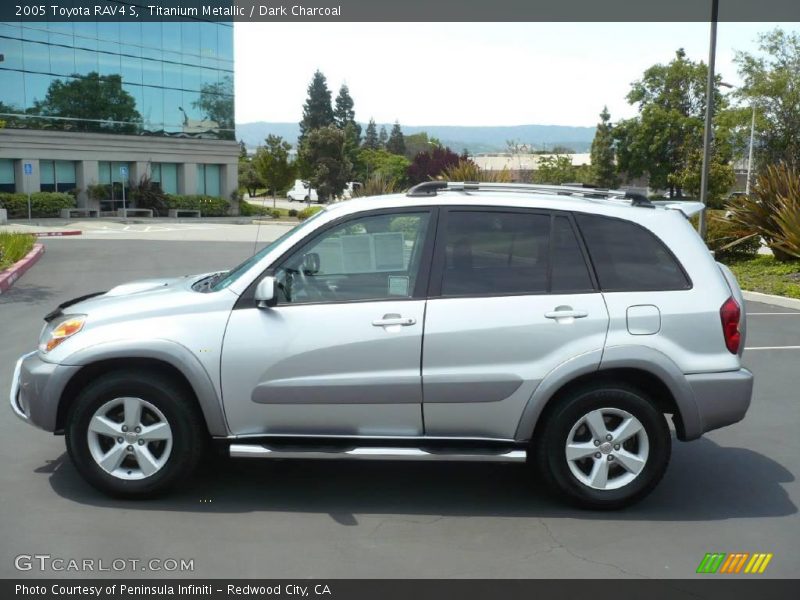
{"points": [[568, 550]]}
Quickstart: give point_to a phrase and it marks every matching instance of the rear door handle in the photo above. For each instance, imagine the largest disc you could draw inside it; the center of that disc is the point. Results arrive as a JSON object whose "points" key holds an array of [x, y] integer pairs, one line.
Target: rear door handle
{"points": [[565, 314], [394, 320]]}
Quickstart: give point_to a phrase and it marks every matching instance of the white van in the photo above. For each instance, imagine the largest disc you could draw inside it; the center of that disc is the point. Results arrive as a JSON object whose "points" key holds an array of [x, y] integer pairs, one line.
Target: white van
{"points": [[301, 192]]}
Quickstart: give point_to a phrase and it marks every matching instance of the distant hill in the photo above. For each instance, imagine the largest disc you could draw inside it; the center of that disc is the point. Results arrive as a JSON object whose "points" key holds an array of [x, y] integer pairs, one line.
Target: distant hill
{"points": [[474, 139]]}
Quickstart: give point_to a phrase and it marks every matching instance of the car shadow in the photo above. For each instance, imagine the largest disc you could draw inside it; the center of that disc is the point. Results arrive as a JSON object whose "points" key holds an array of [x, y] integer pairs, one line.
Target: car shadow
{"points": [[704, 482]]}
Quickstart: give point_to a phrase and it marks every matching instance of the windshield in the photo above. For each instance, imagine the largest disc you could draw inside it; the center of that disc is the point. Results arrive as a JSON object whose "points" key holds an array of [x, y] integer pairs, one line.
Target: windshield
{"points": [[239, 270]]}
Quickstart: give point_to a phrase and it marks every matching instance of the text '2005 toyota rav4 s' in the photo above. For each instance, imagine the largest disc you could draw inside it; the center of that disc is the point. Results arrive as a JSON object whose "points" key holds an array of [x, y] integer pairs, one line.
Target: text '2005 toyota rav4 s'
{"points": [[456, 322]]}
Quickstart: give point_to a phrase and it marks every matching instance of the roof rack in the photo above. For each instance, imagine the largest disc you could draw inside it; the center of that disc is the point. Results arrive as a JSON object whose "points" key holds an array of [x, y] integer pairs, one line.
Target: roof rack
{"points": [[432, 188]]}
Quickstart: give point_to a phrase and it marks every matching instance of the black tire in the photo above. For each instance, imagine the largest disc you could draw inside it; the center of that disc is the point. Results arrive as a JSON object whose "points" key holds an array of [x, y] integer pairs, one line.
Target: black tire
{"points": [[549, 447], [190, 439]]}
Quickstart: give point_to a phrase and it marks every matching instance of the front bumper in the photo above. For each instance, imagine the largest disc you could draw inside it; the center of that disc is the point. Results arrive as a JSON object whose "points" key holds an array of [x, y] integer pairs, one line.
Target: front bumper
{"points": [[721, 398], [36, 389]]}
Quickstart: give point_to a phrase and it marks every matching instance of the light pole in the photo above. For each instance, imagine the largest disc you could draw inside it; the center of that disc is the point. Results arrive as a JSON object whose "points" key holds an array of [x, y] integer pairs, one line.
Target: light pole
{"points": [[707, 134], [750, 151]]}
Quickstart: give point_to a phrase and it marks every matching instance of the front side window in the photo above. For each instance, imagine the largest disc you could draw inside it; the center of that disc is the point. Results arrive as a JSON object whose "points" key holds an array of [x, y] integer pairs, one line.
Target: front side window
{"points": [[375, 257], [627, 257]]}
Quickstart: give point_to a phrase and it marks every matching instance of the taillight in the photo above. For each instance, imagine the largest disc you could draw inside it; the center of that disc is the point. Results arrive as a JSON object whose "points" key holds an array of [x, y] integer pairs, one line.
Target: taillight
{"points": [[730, 313]]}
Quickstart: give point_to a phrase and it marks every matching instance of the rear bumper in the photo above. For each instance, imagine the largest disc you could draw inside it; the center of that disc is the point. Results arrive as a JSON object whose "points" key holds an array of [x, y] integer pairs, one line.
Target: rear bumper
{"points": [[721, 398], [36, 389]]}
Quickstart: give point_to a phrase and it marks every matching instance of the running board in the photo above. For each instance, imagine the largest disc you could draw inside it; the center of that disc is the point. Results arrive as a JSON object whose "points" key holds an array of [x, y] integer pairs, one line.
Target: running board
{"points": [[374, 453]]}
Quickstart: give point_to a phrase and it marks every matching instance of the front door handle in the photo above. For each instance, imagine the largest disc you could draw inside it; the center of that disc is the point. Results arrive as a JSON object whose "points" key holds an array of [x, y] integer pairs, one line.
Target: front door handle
{"points": [[394, 319], [566, 313]]}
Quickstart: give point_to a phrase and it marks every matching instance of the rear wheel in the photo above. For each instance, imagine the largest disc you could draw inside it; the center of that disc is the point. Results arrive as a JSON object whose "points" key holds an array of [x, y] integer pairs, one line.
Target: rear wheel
{"points": [[604, 447], [134, 434]]}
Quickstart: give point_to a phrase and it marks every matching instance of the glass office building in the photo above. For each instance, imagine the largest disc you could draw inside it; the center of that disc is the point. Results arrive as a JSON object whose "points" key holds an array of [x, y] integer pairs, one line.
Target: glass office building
{"points": [[166, 86]]}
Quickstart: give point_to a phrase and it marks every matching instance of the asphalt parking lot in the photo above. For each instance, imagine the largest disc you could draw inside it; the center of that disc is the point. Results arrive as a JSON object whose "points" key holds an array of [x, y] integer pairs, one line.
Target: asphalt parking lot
{"points": [[735, 490]]}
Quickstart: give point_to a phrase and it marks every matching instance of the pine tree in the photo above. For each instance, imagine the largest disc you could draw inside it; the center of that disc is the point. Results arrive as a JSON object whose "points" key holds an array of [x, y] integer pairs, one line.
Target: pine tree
{"points": [[242, 150], [604, 169], [343, 113], [382, 137], [371, 136], [396, 143], [317, 111]]}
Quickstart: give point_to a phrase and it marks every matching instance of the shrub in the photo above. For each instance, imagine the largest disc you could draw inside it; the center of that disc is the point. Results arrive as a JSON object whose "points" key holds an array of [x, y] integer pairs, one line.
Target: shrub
{"points": [[729, 240], [466, 170], [43, 204], [308, 212], [377, 185], [292, 212], [248, 209], [148, 194], [275, 213], [208, 206], [773, 210], [13, 247]]}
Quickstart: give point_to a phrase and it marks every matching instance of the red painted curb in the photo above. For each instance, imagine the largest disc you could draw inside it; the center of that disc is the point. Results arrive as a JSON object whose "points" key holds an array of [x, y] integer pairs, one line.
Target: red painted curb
{"points": [[15, 271], [57, 233]]}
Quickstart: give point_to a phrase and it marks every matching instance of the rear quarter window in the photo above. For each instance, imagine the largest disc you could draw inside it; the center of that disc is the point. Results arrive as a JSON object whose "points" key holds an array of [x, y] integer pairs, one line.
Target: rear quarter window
{"points": [[629, 258]]}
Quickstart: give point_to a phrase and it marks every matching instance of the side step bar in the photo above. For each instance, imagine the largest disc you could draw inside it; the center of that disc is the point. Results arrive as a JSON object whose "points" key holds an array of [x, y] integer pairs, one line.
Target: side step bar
{"points": [[374, 453]]}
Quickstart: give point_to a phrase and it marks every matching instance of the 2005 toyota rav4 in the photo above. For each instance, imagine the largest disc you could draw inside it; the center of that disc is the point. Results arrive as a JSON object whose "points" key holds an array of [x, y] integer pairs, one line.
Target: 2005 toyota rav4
{"points": [[456, 322]]}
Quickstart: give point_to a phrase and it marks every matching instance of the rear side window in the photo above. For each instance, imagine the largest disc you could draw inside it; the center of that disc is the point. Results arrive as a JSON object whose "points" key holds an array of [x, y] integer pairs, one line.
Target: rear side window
{"points": [[627, 257], [495, 253]]}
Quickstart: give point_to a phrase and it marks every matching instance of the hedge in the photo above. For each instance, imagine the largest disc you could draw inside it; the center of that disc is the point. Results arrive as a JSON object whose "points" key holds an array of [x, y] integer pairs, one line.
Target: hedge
{"points": [[308, 212], [43, 204], [208, 206]]}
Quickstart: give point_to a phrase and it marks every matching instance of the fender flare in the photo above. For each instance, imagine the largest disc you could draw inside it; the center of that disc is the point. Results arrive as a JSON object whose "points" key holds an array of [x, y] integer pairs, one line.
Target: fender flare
{"points": [[642, 358], [172, 353]]}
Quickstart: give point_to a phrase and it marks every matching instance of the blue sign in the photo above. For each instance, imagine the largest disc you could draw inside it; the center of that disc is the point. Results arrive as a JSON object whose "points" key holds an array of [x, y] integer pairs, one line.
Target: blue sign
{"points": [[27, 168], [123, 172]]}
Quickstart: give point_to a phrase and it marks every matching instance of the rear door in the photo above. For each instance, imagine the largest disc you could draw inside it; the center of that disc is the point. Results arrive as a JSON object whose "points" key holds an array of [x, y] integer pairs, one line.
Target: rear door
{"points": [[511, 298]]}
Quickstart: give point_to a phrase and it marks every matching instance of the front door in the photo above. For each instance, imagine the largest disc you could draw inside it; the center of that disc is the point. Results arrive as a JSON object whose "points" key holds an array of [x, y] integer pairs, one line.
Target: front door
{"points": [[340, 352], [512, 298]]}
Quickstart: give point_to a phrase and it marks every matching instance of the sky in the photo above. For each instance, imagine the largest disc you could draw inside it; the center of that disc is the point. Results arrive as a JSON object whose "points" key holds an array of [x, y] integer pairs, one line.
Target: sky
{"points": [[468, 73]]}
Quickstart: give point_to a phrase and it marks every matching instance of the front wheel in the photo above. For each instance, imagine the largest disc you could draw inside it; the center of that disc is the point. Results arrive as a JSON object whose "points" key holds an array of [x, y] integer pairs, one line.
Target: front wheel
{"points": [[134, 434], [604, 447]]}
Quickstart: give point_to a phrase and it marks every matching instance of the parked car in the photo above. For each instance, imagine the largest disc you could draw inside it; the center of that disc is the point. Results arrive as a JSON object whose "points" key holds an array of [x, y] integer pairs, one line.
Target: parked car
{"points": [[491, 322], [302, 193]]}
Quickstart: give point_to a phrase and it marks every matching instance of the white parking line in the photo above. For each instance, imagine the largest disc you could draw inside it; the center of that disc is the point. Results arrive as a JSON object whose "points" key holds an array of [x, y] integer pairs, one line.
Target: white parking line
{"points": [[772, 348]]}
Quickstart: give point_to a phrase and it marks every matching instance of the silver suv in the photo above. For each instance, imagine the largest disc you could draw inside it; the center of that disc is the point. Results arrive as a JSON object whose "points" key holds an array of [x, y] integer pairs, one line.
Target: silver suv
{"points": [[460, 321]]}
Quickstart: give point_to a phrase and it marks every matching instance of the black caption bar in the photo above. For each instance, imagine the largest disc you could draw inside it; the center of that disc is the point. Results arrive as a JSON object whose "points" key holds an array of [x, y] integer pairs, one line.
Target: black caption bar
{"points": [[387, 589], [399, 10]]}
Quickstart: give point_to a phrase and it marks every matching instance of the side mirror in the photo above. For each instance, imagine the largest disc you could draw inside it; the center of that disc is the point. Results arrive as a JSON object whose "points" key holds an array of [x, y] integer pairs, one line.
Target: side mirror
{"points": [[265, 292]]}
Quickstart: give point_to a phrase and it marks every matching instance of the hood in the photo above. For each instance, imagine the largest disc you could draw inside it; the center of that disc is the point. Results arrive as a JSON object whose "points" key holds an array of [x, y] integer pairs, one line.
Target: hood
{"points": [[143, 285]]}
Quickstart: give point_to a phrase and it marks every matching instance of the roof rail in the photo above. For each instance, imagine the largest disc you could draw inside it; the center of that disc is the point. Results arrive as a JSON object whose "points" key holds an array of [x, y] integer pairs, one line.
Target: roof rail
{"points": [[431, 188]]}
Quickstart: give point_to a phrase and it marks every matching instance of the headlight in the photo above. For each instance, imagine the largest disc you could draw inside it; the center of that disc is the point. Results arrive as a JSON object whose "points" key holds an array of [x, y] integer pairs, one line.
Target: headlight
{"points": [[58, 331]]}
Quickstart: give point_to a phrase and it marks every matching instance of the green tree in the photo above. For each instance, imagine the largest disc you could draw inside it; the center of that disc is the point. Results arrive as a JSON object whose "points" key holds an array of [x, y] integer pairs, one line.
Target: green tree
{"points": [[416, 143], [317, 111], [249, 179], [721, 177], [396, 143], [323, 161], [216, 104], [92, 103], [383, 137], [660, 140], [371, 136], [344, 114], [242, 150], [391, 167], [273, 167], [772, 85], [558, 169], [604, 170]]}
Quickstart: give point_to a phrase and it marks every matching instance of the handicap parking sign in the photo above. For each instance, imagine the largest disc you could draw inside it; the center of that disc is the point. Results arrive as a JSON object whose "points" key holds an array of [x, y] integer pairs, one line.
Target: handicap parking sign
{"points": [[27, 168], [123, 172]]}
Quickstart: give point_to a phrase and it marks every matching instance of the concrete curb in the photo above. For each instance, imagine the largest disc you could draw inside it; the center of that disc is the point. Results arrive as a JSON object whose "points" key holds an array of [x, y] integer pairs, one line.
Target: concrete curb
{"points": [[774, 300], [57, 233], [15, 271]]}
